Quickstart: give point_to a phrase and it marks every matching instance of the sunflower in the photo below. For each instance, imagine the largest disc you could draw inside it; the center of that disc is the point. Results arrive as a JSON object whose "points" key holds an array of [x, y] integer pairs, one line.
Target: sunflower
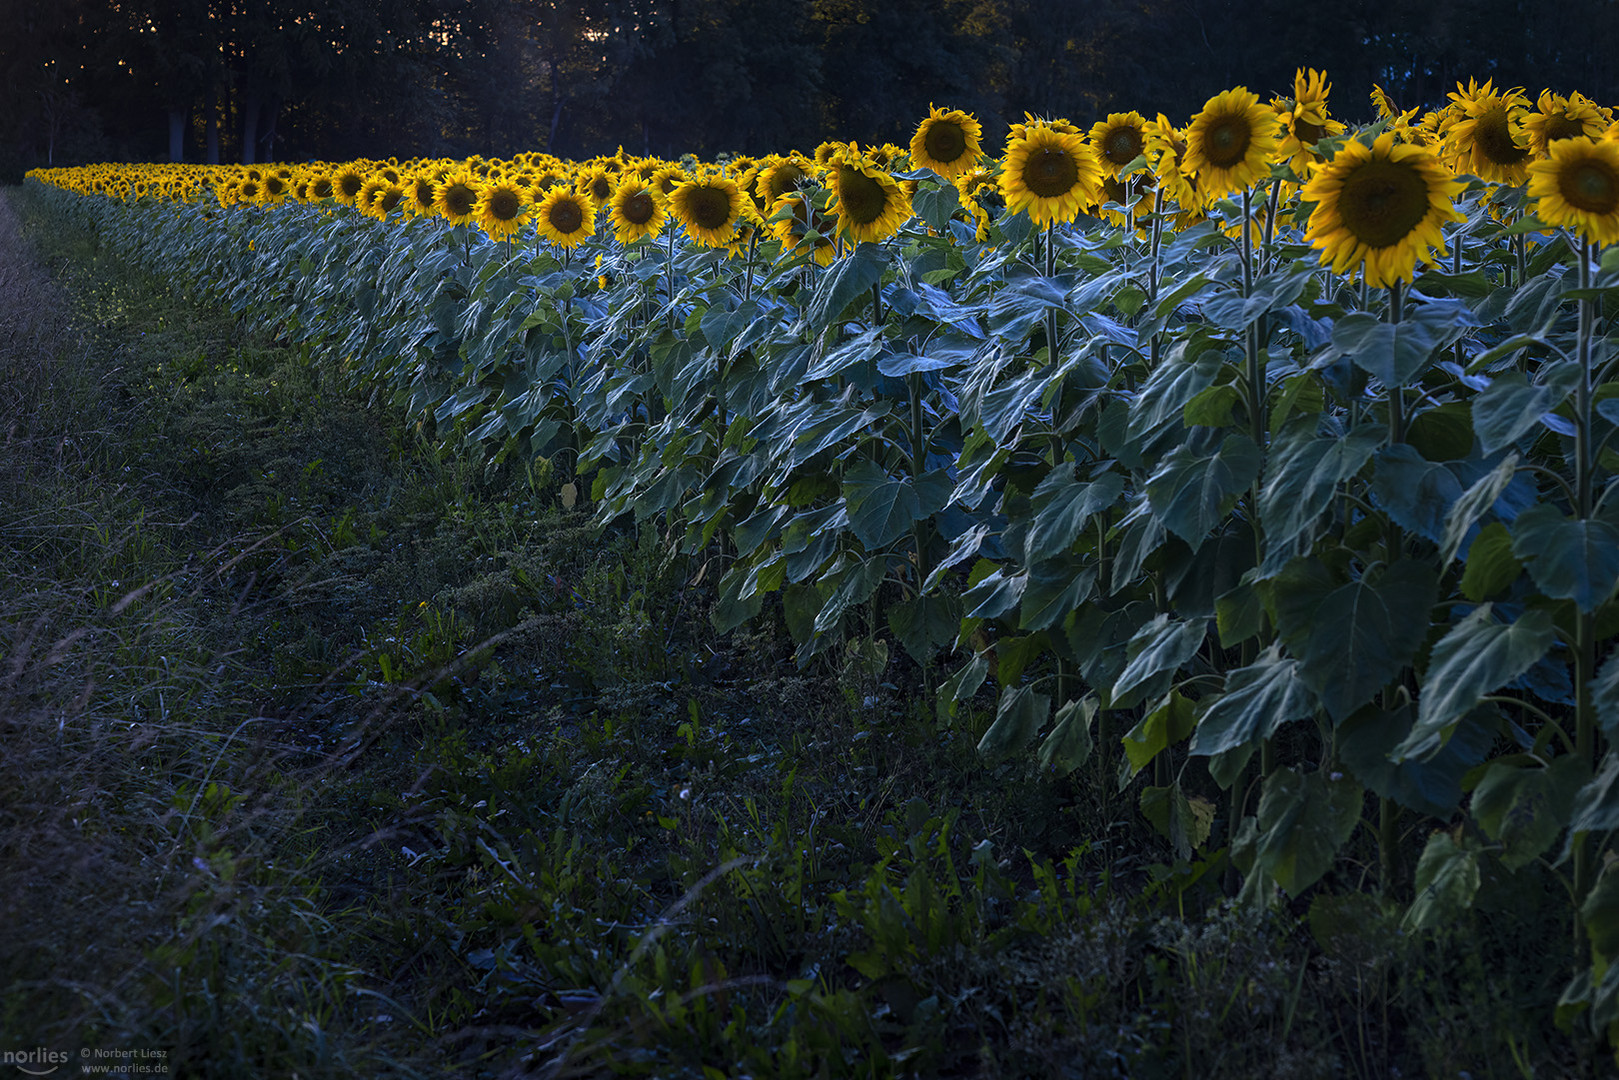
{"points": [[321, 187], [346, 185], [420, 195], [1166, 150], [1577, 187], [801, 228], [565, 217], [708, 207], [1049, 173], [636, 211], [1230, 144], [364, 202], [869, 204], [457, 197], [502, 208], [1558, 117], [779, 175], [1305, 121], [1118, 140], [1487, 138], [667, 178], [947, 142], [598, 183], [1381, 206]]}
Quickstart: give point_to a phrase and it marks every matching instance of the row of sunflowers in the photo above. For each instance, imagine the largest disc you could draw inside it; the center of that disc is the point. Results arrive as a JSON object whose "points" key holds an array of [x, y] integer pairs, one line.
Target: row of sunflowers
{"points": [[1379, 203], [1159, 433]]}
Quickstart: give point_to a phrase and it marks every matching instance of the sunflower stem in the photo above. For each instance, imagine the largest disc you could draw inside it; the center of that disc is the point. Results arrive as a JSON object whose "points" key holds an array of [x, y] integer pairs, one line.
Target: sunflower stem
{"points": [[1051, 343], [1270, 223], [1396, 394], [1154, 271], [1585, 733], [669, 287]]}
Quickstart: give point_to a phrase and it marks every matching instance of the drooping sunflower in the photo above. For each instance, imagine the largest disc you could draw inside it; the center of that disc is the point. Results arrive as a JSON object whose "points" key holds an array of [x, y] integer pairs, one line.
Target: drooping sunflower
{"points": [[421, 195], [1166, 149], [1230, 144], [1487, 138], [457, 197], [1049, 174], [869, 204], [1118, 140], [636, 211], [1381, 207], [1577, 187], [1305, 122], [1557, 117], [802, 229], [365, 201], [565, 217], [668, 178], [502, 208], [708, 207], [947, 142]]}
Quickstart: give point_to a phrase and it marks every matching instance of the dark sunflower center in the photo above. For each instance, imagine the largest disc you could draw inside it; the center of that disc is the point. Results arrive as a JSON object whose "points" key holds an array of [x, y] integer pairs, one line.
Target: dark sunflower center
{"points": [[1226, 141], [389, 199], [1382, 202], [601, 188], [249, 190], [1050, 172], [274, 185], [1308, 133], [1494, 136], [350, 184], [1590, 186], [945, 141], [710, 208], [566, 217], [639, 208], [1115, 190], [786, 178], [862, 198], [1561, 127], [459, 198], [505, 204], [1122, 145], [669, 183], [322, 188], [423, 193]]}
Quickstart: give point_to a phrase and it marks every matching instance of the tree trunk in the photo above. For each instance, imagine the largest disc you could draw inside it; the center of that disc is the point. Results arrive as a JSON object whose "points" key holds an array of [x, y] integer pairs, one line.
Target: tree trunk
{"points": [[250, 127], [212, 138], [177, 133]]}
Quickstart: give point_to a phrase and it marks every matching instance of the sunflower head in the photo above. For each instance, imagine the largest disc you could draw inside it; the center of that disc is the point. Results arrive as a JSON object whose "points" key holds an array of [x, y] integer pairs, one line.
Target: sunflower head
{"points": [[1577, 187], [1557, 117], [1166, 150], [947, 141], [1304, 121], [502, 208], [1050, 174], [457, 197], [1118, 140], [1485, 134], [421, 195], [565, 217], [1230, 144], [636, 210], [802, 229], [708, 207], [1381, 207], [346, 185], [870, 205]]}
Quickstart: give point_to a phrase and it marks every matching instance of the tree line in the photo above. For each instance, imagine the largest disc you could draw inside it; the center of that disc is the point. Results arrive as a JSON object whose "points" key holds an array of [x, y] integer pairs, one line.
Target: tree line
{"points": [[258, 80]]}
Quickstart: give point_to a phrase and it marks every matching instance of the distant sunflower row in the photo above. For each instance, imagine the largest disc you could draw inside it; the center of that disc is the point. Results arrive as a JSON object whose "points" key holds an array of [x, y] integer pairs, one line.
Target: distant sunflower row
{"points": [[1376, 202]]}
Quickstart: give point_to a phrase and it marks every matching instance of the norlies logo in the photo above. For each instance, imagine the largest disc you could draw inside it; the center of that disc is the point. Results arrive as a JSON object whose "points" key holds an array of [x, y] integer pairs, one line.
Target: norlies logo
{"points": [[36, 1062]]}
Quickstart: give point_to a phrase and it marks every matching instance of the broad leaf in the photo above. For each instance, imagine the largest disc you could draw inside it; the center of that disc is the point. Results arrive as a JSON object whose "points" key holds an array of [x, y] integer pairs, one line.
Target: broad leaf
{"points": [[1524, 805], [1507, 408], [1473, 504], [1063, 505], [1491, 565], [1163, 645], [1017, 719], [1069, 745], [1568, 559], [1185, 821], [1434, 786], [1303, 475], [1165, 726], [1366, 632], [924, 622], [1447, 881], [1304, 818], [1477, 656], [1418, 494], [1258, 700], [1190, 494]]}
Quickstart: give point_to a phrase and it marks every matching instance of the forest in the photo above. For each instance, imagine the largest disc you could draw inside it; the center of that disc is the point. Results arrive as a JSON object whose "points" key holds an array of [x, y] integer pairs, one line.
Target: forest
{"points": [[300, 80]]}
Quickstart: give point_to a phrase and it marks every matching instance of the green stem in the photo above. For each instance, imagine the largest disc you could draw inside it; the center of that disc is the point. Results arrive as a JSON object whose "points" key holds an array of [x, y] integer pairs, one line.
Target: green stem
{"points": [[1396, 394], [1585, 733], [1153, 282]]}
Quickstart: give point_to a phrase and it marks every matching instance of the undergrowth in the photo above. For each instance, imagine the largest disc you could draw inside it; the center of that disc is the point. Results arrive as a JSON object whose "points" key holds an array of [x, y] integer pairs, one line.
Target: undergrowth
{"points": [[330, 753]]}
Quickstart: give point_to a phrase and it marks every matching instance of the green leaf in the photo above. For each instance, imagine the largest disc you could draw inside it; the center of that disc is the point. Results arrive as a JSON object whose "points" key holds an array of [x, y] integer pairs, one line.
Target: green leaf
{"points": [[1158, 406], [1507, 408], [1596, 805], [1473, 504], [1184, 821], [924, 622], [1304, 818], [1477, 656], [1600, 914], [1491, 566], [881, 507], [935, 202], [1447, 881], [963, 684], [1258, 700], [1069, 745], [848, 279], [1568, 559], [1233, 311], [1524, 805], [1433, 787], [1444, 433], [1163, 645], [732, 608], [1212, 407], [1017, 719], [1295, 595], [1300, 393], [1418, 494], [1190, 494], [1163, 727], [1303, 474], [996, 595], [1239, 614], [1055, 588], [1062, 505], [853, 585], [1605, 695], [1366, 632]]}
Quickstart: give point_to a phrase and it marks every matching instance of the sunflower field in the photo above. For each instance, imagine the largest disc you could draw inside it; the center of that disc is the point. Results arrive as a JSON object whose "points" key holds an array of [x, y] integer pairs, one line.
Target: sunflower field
{"points": [[1266, 463]]}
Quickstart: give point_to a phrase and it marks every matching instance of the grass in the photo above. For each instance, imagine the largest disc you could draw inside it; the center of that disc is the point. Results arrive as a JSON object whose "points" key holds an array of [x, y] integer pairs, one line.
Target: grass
{"points": [[334, 752]]}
